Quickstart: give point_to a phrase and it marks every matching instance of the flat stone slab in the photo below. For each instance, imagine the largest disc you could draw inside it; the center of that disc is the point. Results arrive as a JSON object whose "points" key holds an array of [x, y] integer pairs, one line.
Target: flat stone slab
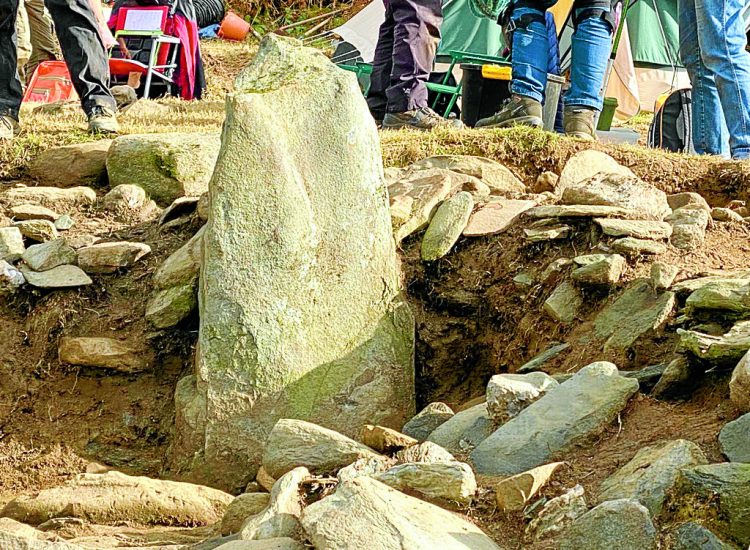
{"points": [[544, 234], [586, 164], [632, 247], [452, 481], [103, 352], [495, 217], [564, 303], [728, 295], [109, 257], [52, 196], [564, 416], [40, 231], [599, 269], [465, 430], [64, 276], [414, 200], [580, 211], [33, 212], [497, 177], [727, 349], [640, 229], [45, 256]]}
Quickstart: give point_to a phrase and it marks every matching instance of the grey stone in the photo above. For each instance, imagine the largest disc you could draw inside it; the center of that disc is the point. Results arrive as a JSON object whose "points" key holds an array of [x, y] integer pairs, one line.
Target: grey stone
{"points": [[651, 474], [585, 164], [385, 440], [40, 231], [691, 536], [555, 267], [497, 177], [181, 207], [678, 380], [663, 275], [632, 247], [515, 492], [281, 517], [33, 212], [170, 306], [364, 513], [70, 165], [544, 234], [64, 276], [728, 295], [724, 350], [739, 385], [734, 439], [294, 443], [11, 244], [365, 467], [124, 198], [580, 211], [104, 353], [688, 227], [9, 541], [688, 199], [465, 430], [241, 508], [495, 217], [182, 267], [425, 452], [726, 215], [558, 513], [453, 481], [203, 207], [509, 394], [446, 226], [623, 191], [623, 524], [167, 166], [524, 280], [564, 303], [638, 311], [565, 416], [599, 269], [109, 257], [546, 182], [64, 222], [718, 494], [275, 323], [414, 200], [41, 257], [639, 229], [279, 543], [10, 277], [427, 420], [53, 196], [538, 362]]}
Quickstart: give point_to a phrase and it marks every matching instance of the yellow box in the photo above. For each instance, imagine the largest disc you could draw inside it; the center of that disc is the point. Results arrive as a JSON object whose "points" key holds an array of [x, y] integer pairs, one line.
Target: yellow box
{"points": [[496, 72]]}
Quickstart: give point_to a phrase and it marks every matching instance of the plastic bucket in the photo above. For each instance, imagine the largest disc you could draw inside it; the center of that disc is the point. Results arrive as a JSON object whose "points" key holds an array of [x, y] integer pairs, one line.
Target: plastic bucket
{"points": [[233, 27], [480, 97], [607, 114]]}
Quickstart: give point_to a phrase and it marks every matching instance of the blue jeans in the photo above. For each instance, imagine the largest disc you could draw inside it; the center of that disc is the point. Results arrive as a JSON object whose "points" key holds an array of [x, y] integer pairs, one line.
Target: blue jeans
{"points": [[712, 48], [590, 50]]}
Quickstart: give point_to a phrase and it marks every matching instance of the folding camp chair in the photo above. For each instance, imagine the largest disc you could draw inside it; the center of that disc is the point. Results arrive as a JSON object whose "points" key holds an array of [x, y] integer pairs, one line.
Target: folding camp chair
{"points": [[145, 48]]}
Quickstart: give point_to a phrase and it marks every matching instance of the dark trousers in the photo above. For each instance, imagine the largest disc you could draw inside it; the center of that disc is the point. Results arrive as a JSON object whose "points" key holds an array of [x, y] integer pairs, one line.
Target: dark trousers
{"points": [[406, 48], [82, 49]]}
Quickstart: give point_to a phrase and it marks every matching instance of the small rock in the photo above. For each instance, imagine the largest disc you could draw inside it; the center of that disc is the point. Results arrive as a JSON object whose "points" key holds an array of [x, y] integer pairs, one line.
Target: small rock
{"points": [[632, 247], [203, 207], [497, 177], [365, 467], [45, 256], [11, 244], [564, 303], [385, 440], [726, 215], [104, 353], [546, 181], [538, 362], [639, 229], [414, 201], [33, 212], [688, 199], [651, 474], [124, 96], [599, 269], [125, 198], [109, 257], [688, 227], [556, 266], [663, 275], [735, 439], [425, 452], [53, 196], [37, 230], [10, 277], [558, 513], [70, 165], [678, 381], [495, 217], [453, 481], [264, 479], [64, 222], [293, 443], [739, 385], [544, 234], [647, 377], [446, 226], [513, 493], [427, 421], [180, 207], [722, 350], [81, 240], [691, 536], [580, 211], [523, 280], [509, 394], [465, 430], [588, 163], [169, 307], [281, 517], [727, 295], [64, 276], [623, 524]]}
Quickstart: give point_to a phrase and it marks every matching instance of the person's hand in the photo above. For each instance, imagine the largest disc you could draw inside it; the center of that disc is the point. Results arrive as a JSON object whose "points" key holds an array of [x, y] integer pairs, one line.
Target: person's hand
{"points": [[124, 48]]}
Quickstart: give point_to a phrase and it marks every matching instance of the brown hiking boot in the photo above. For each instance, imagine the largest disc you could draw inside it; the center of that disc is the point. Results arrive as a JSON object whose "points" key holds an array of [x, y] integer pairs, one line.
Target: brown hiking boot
{"points": [[580, 123], [8, 127], [423, 118], [518, 110], [103, 121]]}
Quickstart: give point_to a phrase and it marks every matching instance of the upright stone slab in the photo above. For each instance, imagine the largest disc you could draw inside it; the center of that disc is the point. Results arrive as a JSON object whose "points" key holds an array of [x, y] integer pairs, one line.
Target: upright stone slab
{"points": [[300, 306]]}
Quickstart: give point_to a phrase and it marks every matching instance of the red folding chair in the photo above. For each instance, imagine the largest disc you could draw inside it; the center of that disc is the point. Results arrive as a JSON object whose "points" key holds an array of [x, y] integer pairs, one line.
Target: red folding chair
{"points": [[144, 46]]}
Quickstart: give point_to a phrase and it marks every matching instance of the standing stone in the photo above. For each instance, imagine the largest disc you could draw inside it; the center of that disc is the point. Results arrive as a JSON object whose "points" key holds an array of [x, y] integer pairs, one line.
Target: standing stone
{"points": [[564, 303], [40, 231], [651, 474], [41, 257], [167, 166], [71, 165], [563, 417], [300, 306], [427, 421], [586, 164], [446, 226], [734, 439], [109, 257], [622, 191], [739, 385], [622, 524], [509, 394], [11, 244]]}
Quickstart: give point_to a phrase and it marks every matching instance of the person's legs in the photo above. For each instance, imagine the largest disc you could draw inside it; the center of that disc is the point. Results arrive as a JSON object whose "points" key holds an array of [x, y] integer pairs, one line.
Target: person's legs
{"points": [[710, 135], [23, 40], [42, 38], [10, 87], [722, 40], [382, 64]]}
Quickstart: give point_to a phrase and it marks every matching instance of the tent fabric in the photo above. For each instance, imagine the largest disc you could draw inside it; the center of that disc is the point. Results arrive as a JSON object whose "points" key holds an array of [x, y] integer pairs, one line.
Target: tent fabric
{"points": [[654, 33], [464, 31]]}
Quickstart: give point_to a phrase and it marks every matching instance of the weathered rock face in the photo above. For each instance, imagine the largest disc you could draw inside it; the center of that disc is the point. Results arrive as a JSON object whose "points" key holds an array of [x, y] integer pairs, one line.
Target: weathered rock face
{"points": [[508, 394], [103, 352], [241, 508], [739, 385], [651, 473], [622, 524], [364, 513], [452, 481], [300, 307], [567, 414], [465, 430], [735, 439], [691, 536], [70, 165], [427, 421], [167, 166]]}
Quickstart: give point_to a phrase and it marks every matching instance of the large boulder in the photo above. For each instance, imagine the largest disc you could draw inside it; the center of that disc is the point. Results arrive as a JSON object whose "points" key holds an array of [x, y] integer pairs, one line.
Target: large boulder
{"points": [[166, 166], [564, 416], [364, 513], [300, 304], [113, 498], [651, 474], [71, 165], [622, 524]]}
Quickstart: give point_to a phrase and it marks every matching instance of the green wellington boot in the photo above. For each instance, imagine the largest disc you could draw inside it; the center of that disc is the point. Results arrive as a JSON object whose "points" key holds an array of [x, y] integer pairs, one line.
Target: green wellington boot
{"points": [[518, 110]]}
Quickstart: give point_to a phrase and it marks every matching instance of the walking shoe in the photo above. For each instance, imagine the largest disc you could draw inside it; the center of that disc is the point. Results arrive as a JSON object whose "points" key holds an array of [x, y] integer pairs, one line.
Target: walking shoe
{"points": [[8, 127], [103, 121], [518, 110], [580, 123], [423, 118]]}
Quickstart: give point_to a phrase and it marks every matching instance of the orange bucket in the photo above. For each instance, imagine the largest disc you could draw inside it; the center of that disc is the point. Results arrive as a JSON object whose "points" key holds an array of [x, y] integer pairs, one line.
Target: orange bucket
{"points": [[233, 27]]}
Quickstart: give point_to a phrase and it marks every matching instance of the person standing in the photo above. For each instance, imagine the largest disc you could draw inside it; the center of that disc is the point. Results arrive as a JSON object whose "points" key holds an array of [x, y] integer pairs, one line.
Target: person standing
{"points": [[712, 49], [405, 52], [23, 40], [591, 43], [42, 37], [84, 54]]}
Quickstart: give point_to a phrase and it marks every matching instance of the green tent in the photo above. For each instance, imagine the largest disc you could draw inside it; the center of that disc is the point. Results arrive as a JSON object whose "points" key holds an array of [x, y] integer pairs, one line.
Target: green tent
{"points": [[654, 33], [464, 31]]}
